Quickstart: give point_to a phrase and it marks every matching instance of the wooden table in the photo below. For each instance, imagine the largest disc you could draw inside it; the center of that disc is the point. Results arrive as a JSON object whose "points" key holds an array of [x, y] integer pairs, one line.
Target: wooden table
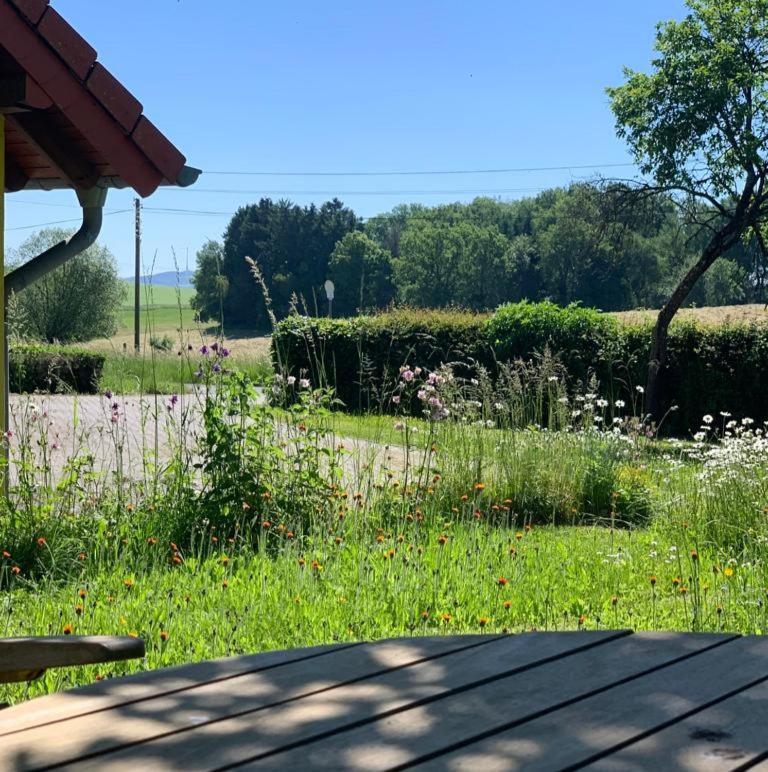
{"points": [[607, 700]]}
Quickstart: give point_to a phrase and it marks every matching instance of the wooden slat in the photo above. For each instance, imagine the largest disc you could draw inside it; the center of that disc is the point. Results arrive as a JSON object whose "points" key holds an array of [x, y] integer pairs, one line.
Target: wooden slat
{"points": [[406, 735], [728, 735], [579, 733], [138, 721], [238, 738], [22, 659], [191, 731], [105, 695]]}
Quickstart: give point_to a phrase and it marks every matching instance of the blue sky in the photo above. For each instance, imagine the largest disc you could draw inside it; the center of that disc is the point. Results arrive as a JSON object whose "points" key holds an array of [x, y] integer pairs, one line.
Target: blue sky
{"points": [[356, 86]]}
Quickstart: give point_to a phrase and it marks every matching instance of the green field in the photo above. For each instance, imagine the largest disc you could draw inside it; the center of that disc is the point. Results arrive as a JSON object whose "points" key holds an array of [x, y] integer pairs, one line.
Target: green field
{"points": [[164, 309]]}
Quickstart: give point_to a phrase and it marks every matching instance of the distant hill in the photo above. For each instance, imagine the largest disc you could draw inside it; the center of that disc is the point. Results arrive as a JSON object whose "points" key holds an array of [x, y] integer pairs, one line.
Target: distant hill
{"points": [[166, 279]]}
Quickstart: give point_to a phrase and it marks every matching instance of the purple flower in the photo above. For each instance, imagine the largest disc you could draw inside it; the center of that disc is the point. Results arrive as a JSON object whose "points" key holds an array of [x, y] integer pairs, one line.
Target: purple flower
{"points": [[217, 368], [108, 394], [224, 352], [199, 374], [421, 394], [214, 347], [115, 407], [204, 350]]}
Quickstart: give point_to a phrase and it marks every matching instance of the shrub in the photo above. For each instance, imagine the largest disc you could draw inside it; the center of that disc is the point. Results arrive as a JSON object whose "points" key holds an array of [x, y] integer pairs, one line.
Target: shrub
{"points": [[360, 357], [54, 369], [583, 339], [708, 369]]}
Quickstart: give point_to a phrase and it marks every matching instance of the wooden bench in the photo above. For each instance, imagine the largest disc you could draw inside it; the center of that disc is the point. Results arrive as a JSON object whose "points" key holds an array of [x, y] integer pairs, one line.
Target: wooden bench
{"points": [[24, 659]]}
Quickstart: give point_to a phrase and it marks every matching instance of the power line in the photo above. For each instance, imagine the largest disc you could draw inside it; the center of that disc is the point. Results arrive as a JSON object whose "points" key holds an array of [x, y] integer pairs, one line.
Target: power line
{"points": [[60, 222], [431, 172], [445, 192]]}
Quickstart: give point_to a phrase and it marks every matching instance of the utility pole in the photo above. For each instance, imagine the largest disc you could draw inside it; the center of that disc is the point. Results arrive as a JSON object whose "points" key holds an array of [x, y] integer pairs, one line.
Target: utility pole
{"points": [[137, 280]]}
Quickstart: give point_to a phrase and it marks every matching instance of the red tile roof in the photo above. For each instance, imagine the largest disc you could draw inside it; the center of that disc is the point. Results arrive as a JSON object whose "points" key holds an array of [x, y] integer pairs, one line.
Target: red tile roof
{"points": [[69, 121]]}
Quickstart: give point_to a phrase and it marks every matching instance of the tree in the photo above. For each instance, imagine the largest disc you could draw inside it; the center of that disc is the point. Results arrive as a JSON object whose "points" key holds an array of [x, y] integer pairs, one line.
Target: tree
{"points": [[361, 271], [698, 124], [460, 264], [291, 245], [76, 302], [210, 284]]}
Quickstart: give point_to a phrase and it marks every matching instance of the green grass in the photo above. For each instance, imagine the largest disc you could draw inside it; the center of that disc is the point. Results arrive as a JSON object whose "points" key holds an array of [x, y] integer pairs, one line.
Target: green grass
{"points": [[163, 309], [159, 372], [482, 578]]}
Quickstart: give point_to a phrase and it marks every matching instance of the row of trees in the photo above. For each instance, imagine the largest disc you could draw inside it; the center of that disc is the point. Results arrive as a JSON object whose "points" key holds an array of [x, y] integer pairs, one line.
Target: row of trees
{"points": [[598, 244]]}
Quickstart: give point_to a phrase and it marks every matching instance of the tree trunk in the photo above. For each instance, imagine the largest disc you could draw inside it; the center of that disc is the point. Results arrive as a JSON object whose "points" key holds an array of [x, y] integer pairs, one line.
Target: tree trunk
{"points": [[720, 242]]}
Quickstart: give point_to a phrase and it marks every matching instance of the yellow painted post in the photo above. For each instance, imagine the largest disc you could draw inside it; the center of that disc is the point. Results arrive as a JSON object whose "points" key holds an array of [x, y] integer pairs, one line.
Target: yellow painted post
{"points": [[3, 345]]}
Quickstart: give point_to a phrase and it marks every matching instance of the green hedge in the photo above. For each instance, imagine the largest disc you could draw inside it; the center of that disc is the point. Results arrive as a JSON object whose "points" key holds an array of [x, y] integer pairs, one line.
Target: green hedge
{"points": [[709, 369], [361, 356], [54, 369]]}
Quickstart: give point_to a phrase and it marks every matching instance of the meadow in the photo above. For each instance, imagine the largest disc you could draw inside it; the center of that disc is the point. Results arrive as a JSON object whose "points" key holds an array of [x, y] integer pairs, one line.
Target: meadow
{"points": [[168, 325], [271, 526]]}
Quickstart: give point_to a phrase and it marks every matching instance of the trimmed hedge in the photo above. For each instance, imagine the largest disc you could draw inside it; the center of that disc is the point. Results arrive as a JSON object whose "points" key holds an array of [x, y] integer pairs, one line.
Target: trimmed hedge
{"points": [[360, 356], [53, 369], [709, 369]]}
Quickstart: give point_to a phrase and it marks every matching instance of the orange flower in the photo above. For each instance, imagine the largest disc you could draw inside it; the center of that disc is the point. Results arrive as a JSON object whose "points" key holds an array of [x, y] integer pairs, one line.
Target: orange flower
{"points": [[151, 540], [582, 620], [425, 614], [728, 571], [224, 560], [81, 556], [502, 581], [614, 600], [128, 582], [67, 630], [6, 554], [676, 581], [41, 542], [442, 539], [289, 534], [446, 617], [266, 524], [225, 584], [176, 560], [380, 538], [83, 593], [652, 580], [316, 566], [163, 636], [464, 497], [483, 621], [694, 555], [266, 495], [16, 570], [79, 609], [479, 486], [507, 604]]}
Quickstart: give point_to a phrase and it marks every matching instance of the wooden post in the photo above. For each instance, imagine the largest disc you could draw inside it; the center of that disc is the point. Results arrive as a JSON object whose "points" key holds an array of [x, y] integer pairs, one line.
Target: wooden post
{"points": [[136, 280], [4, 409]]}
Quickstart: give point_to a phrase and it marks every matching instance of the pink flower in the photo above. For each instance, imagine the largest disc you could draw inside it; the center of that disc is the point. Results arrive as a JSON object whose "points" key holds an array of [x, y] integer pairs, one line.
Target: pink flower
{"points": [[396, 399], [407, 375]]}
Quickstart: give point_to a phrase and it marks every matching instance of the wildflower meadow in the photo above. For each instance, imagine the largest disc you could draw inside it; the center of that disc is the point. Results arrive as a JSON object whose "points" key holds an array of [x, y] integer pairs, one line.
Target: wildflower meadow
{"points": [[273, 519]]}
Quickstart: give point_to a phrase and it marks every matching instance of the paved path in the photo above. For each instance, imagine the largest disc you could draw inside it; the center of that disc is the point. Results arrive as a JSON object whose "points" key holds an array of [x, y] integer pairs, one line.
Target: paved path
{"points": [[129, 433]]}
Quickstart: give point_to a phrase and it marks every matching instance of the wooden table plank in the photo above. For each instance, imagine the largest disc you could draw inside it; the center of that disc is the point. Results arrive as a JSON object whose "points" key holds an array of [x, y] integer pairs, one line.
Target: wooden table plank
{"points": [[36, 655], [574, 735], [211, 745], [163, 712], [407, 735], [730, 734], [104, 695]]}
